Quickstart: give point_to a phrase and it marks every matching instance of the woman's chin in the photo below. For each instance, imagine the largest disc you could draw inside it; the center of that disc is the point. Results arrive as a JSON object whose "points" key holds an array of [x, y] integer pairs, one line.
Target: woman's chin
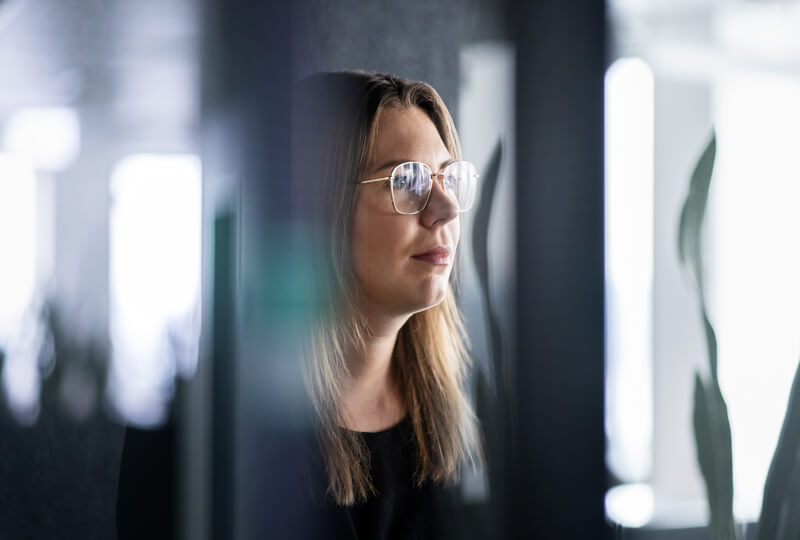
{"points": [[430, 297]]}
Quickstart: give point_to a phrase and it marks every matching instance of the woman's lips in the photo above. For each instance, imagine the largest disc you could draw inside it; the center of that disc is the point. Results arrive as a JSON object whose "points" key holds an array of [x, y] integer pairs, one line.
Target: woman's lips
{"points": [[438, 256]]}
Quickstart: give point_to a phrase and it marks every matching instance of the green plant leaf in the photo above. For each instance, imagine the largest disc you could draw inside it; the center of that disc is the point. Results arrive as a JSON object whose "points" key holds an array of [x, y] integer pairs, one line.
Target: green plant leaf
{"points": [[780, 510], [480, 225], [711, 423], [693, 213], [723, 496], [702, 435], [713, 438], [711, 344], [480, 250], [790, 526]]}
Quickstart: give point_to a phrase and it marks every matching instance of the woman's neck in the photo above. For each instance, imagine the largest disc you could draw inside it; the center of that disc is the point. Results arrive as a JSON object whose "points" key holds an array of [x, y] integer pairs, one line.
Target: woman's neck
{"points": [[372, 401]]}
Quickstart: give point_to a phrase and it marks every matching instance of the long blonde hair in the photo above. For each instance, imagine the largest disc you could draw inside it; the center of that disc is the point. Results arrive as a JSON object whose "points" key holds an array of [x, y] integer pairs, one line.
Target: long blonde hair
{"points": [[335, 118]]}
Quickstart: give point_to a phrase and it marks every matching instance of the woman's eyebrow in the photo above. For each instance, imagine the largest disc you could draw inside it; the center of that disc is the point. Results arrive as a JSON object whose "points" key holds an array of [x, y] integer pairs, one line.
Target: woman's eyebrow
{"points": [[446, 163], [395, 162], [391, 163]]}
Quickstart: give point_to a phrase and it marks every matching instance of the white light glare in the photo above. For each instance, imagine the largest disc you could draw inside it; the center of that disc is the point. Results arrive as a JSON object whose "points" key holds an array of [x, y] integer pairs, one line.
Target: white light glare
{"points": [[629, 113], [755, 294], [49, 137], [17, 281], [21, 377], [630, 505], [155, 280], [17, 242], [766, 31]]}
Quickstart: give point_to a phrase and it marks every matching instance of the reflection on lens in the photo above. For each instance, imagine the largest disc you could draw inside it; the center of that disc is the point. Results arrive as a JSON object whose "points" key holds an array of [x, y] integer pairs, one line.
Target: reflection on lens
{"points": [[463, 177], [411, 184]]}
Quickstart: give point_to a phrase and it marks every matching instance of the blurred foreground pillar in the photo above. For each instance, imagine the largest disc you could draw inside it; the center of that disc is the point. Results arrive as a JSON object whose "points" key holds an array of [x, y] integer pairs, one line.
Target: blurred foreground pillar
{"points": [[559, 472], [254, 297]]}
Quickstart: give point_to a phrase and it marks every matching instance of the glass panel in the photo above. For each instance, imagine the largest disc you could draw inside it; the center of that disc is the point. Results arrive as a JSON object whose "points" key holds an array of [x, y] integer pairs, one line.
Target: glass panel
{"points": [[729, 69], [100, 263], [154, 277]]}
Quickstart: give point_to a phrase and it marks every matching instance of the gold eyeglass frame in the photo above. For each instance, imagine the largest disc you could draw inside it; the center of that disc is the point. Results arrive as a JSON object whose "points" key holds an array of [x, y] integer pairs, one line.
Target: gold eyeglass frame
{"points": [[434, 176]]}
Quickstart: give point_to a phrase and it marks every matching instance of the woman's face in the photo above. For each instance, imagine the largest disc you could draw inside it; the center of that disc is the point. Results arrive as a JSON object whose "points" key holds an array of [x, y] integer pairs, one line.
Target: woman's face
{"points": [[397, 273]]}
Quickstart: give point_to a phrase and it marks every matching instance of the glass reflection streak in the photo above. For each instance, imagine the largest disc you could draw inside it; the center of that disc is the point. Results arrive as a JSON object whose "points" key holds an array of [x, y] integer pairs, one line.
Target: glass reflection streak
{"points": [[17, 283], [155, 234]]}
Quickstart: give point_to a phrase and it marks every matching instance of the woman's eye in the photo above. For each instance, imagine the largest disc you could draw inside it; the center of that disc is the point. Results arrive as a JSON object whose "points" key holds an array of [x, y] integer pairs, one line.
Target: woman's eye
{"points": [[450, 182]]}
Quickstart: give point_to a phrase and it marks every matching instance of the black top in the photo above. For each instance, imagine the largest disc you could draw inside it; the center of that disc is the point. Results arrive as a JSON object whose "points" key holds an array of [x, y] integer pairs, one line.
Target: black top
{"points": [[401, 509]]}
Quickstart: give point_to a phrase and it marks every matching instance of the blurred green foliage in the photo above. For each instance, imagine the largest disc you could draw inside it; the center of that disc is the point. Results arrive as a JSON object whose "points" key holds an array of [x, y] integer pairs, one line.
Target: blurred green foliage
{"points": [[780, 512], [712, 429]]}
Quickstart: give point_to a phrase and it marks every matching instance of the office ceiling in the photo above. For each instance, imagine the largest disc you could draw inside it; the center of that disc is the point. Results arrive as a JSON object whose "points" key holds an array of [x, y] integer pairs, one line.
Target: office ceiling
{"points": [[134, 57]]}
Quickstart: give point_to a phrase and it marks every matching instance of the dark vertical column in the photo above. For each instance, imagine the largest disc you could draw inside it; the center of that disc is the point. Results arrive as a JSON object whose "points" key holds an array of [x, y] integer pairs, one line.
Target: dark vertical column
{"points": [[224, 377], [260, 430], [558, 482], [224, 164]]}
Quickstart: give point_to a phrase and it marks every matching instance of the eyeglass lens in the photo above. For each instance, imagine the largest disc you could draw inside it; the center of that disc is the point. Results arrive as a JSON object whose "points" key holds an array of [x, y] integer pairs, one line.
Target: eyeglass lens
{"points": [[412, 183]]}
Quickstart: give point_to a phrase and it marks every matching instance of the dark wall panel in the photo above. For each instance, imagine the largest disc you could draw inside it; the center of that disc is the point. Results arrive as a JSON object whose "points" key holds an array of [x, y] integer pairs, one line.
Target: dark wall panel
{"points": [[560, 346]]}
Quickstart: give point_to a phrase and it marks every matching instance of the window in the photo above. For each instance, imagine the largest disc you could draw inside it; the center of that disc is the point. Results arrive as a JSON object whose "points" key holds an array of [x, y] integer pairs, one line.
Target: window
{"points": [[729, 66], [17, 285], [629, 282], [155, 235], [755, 264]]}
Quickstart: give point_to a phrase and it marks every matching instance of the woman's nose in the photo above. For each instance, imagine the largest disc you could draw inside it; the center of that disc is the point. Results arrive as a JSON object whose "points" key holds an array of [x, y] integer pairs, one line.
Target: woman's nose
{"points": [[442, 207]]}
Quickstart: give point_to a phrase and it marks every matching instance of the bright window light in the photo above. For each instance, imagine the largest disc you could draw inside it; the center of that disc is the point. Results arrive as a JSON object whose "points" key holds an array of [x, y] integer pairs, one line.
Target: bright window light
{"points": [[17, 281], [48, 137], [763, 30], [630, 505], [629, 267], [755, 264], [17, 241], [155, 233]]}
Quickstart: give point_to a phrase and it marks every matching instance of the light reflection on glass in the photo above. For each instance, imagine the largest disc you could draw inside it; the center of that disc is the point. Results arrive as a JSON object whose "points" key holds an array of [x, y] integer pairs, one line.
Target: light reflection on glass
{"points": [[755, 264], [48, 136], [630, 505], [17, 282], [155, 234], [629, 174]]}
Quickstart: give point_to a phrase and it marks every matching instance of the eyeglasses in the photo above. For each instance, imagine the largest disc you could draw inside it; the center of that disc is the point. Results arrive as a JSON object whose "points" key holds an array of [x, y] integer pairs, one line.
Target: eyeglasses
{"points": [[411, 185]]}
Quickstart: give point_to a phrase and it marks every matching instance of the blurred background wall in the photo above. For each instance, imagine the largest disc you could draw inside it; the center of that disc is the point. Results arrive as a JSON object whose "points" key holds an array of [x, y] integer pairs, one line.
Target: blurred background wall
{"points": [[149, 256], [416, 40], [104, 105], [684, 69], [143, 199], [85, 88]]}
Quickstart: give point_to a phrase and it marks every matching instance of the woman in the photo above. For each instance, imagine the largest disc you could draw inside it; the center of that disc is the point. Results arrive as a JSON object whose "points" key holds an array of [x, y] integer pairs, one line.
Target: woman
{"points": [[379, 160]]}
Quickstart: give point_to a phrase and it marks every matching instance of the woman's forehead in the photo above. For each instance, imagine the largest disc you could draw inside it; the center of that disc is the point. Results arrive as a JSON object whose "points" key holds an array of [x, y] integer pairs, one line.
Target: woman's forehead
{"points": [[406, 134]]}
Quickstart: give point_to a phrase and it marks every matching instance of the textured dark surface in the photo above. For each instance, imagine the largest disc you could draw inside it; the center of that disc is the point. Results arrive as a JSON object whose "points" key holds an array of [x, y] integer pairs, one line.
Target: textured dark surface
{"points": [[560, 471], [58, 478], [416, 39], [746, 532]]}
